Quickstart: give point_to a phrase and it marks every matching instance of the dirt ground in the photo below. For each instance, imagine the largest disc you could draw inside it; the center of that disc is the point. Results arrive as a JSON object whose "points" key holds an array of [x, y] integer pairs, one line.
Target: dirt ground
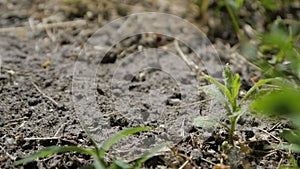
{"points": [[39, 107]]}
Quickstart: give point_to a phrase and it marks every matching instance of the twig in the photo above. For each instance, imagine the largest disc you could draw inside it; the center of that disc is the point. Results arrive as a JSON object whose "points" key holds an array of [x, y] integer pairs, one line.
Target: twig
{"points": [[203, 159], [48, 97], [11, 156], [184, 164], [112, 113], [8, 155], [42, 138], [273, 127], [59, 129], [271, 153], [16, 120], [11, 124], [190, 63], [189, 104], [270, 135], [49, 33], [44, 26], [279, 163]]}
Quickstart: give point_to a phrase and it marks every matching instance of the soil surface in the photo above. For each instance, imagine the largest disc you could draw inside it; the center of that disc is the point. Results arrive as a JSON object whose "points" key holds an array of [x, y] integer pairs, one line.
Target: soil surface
{"points": [[56, 79]]}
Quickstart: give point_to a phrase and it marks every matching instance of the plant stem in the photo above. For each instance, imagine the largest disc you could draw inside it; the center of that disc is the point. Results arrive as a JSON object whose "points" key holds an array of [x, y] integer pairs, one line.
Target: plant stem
{"points": [[235, 23], [232, 129]]}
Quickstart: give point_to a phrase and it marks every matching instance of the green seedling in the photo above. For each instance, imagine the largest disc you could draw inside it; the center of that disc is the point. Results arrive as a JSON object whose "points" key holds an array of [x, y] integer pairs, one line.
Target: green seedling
{"points": [[228, 95], [97, 153]]}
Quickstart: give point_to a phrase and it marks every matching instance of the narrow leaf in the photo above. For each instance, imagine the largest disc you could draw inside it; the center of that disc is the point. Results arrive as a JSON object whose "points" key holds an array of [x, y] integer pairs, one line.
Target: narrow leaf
{"points": [[292, 147], [236, 83], [118, 136], [53, 150], [223, 89], [256, 86], [292, 136], [98, 164], [213, 92]]}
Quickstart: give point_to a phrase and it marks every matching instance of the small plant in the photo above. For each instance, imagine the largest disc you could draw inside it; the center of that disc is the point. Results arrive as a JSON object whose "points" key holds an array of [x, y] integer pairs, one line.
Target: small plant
{"points": [[228, 96], [98, 152]]}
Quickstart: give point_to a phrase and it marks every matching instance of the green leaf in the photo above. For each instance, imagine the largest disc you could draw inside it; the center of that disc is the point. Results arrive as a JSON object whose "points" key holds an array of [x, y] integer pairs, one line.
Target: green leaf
{"points": [[293, 55], [239, 3], [292, 136], [221, 87], [233, 5], [253, 88], [205, 122], [236, 84], [98, 164], [118, 136], [292, 147], [213, 92], [53, 150], [269, 4], [227, 74], [283, 102]]}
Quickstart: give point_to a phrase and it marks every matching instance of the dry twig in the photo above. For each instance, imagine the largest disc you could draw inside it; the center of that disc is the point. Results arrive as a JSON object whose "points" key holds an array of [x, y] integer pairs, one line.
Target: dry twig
{"points": [[41, 138], [48, 97], [43, 26]]}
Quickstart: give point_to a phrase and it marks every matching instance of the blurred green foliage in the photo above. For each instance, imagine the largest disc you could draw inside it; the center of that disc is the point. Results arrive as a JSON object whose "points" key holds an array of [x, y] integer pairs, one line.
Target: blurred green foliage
{"points": [[276, 53], [98, 153]]}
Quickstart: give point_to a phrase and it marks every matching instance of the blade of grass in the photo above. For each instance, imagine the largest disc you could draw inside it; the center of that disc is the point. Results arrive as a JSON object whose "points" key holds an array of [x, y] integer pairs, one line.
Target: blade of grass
{"points": [[98, 164], [257, 85], [118, 136], [53, 150]]}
